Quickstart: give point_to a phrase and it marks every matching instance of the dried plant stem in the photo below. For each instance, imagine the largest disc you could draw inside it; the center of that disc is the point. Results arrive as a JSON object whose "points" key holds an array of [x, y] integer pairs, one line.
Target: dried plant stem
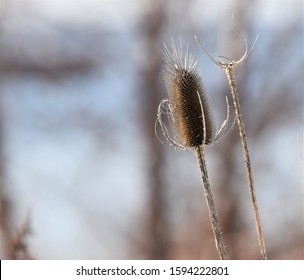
{"points": [[190, 121], [219, 243], [229, 70]]}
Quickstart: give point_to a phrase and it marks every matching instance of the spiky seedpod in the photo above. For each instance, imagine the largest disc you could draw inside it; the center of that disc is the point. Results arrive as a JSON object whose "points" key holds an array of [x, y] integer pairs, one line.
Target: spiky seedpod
{"points": [[189, 108], [190, 121]]}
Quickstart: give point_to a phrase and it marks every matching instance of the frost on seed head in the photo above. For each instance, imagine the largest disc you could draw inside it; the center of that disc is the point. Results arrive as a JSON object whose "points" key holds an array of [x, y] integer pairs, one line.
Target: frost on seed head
{"points": [[187, 108]]}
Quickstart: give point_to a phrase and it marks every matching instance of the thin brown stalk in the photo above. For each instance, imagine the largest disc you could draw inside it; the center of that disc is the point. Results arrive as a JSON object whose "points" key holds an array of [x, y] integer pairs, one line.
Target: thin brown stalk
{"points": [[229, 70], [190, 120], [219, 243]]}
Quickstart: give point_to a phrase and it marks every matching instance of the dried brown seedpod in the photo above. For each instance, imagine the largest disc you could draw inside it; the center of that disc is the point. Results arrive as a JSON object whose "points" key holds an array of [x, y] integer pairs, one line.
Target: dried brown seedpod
{"points": [[190, 122], [186, 92], [187, 107]]}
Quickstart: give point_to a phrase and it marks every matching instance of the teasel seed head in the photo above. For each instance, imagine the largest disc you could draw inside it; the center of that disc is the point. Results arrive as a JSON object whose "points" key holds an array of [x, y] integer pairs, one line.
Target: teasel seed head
{"points": [[188, 107]]}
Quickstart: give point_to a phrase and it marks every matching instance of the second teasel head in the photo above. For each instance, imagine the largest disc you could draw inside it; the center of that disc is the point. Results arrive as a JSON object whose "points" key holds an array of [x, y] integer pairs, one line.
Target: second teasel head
{"points": [[187, 107]]}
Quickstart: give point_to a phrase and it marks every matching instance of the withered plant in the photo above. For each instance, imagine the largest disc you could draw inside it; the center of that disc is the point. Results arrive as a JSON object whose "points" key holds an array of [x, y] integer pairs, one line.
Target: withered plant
{"points": [[229, 67], [186, 119]]}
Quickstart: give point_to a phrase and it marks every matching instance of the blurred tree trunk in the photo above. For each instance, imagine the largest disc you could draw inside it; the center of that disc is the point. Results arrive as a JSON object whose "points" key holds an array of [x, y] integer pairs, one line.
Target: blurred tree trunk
{"points": [[150, 95], [5, 209]]}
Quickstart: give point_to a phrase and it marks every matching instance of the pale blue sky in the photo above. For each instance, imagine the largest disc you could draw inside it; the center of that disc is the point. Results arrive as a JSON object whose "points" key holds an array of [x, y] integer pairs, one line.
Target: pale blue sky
{"points": [[56, 170]]}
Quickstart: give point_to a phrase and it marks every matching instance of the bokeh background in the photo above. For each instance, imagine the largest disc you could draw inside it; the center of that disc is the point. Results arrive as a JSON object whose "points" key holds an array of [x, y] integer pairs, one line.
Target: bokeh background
{"points": [[82, 175]]}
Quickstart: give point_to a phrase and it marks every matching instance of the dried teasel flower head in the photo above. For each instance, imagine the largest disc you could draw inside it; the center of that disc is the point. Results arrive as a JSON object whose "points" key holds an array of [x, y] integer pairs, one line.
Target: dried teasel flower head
{"points": [[187, 108]]}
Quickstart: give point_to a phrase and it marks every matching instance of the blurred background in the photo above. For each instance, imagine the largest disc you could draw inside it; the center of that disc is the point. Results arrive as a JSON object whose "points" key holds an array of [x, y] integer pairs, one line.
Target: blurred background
{"points": [[82, 175]]}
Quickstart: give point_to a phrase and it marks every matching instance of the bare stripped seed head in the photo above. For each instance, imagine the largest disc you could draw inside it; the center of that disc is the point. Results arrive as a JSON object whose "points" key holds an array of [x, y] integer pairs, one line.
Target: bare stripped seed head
{"points": [[188, 107]]}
